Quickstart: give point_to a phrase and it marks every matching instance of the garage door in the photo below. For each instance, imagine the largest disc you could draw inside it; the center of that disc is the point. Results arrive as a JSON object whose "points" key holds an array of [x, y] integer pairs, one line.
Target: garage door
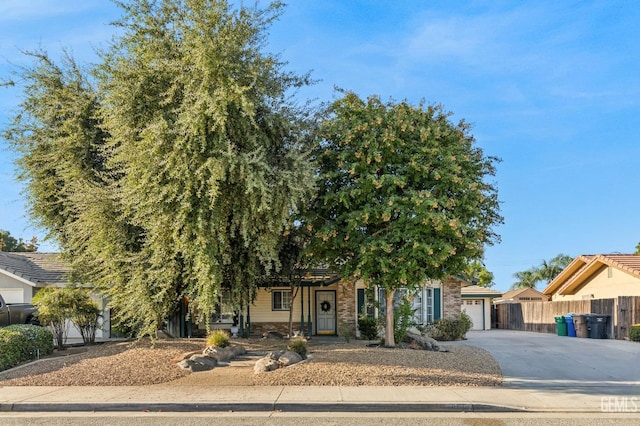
{"points": [[474, 308]]}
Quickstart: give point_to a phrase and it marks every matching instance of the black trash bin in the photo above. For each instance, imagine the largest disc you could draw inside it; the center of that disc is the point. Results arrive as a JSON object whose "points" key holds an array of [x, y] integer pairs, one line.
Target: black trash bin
{"points": [[598, 325]]}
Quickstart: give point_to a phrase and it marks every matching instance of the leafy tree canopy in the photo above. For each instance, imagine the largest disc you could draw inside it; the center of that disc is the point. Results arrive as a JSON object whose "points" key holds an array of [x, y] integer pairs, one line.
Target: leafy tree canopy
{"points": [[402, 195], [9, 243], [172, 167], [478, 274]]}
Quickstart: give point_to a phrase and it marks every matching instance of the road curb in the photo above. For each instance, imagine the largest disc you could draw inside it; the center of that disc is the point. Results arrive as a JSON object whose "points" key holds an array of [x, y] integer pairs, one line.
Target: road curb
{"points": [[254, 407]]}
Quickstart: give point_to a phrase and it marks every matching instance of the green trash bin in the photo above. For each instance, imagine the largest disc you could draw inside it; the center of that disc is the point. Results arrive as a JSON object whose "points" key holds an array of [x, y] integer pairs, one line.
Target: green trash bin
{"points": [[562, 326]]}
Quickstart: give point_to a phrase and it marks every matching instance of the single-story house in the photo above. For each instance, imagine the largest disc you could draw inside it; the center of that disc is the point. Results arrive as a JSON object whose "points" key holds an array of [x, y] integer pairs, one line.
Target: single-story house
{"points": [[476, 302], [600, 276], [324, 304], [23, 274], [528, 294]]}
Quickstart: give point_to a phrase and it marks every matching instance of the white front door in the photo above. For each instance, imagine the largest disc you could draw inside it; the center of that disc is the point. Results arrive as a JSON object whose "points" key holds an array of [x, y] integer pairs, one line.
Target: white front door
{"points": [[475, 309], [326, 312]]}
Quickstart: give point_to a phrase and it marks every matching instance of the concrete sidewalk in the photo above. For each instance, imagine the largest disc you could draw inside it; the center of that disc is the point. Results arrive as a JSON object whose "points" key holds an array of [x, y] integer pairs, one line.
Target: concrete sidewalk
{"points": [[163, 398]]}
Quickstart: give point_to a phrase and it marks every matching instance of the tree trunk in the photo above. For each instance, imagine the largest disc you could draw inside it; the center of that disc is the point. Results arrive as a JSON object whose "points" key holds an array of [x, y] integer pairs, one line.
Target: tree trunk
{"points": [[294, 294], [388, 330]]}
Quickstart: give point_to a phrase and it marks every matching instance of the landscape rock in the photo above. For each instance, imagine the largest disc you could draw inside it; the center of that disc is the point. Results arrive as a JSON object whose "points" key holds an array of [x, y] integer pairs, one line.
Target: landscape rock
{"points": [[264, 365], [219, 354], [238, 350], [289, 358], [422, 342], [198, 363], [273, 335]]}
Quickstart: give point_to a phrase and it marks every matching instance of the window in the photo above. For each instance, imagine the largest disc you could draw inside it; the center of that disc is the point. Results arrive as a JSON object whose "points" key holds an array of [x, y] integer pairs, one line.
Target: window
{"points": [[429, 305], [280, 300], [400, 295], [224, 308]]}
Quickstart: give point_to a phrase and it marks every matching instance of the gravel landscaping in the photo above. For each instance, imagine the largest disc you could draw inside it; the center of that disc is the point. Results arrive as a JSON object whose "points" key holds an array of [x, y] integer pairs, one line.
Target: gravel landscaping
{"points": [[334, 364]]}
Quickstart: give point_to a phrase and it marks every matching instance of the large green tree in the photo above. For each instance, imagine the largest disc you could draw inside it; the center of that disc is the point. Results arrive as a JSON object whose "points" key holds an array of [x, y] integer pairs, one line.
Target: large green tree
{"points": [[188, 158], [403, 195], [9, 243]]}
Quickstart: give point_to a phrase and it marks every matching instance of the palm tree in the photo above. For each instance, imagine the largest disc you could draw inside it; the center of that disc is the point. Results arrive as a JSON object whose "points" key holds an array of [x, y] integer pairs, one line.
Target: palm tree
{"points": [[549, 270], [526, 279]]}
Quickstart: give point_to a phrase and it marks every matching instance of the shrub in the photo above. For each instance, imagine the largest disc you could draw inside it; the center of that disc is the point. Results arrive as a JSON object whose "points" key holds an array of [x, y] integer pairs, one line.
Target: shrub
{"points": [[13, 345], [299, 346], [345, 330], [39, 339], [450, 329], [403, 320], [634, 333], [54, 307], [218, 338], [86, 318], [368, 327]]}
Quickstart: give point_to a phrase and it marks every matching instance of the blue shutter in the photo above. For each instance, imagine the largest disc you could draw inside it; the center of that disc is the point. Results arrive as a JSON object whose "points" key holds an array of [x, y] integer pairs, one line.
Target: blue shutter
{"points": [[437, 306]]}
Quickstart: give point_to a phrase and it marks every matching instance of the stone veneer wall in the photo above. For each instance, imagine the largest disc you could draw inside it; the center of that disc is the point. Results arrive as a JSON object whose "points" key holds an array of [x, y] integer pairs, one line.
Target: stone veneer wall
{"points": [[451, 298], [259, 328], [346, 296]]}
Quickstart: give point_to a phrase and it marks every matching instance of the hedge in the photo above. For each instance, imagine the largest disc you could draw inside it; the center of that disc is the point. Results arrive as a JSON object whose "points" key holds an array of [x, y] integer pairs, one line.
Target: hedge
{"points": [[21, 342], [634, 333]]}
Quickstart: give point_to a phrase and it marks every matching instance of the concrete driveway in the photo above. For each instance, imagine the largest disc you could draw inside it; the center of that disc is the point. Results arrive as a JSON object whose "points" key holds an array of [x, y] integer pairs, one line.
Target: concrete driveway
{"points": [[545, 360]]}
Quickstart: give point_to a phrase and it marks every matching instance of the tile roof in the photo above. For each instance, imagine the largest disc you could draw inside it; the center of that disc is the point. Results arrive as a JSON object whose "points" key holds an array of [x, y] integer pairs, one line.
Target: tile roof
{"points": [[514, 293], [476, 290], [38, 268], [583, 267]]}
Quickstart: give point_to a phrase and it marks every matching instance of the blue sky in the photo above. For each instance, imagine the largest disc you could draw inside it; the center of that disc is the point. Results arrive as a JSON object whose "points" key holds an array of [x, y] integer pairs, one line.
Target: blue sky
{"points": [[550, 87]]}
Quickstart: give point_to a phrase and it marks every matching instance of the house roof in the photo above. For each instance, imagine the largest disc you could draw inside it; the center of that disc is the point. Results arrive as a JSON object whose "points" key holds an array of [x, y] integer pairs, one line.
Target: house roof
{"points": [[477, 291], [585, 266], [35, 268], [512, 294]]}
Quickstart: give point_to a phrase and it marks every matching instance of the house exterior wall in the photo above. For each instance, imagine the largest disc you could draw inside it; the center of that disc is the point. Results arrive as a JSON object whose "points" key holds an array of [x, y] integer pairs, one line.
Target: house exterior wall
{"points": [[608, 282], [531, 295], [264, 319], [451, 298], [347, 305], [14, 291]]}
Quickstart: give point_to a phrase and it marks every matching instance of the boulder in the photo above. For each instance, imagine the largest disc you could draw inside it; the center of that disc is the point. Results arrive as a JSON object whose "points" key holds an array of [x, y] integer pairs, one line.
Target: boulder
{"points": [[273, 335], [198, 363], [219, 354], [238, 350], [422, 342], [289, 358], [265, 364]]}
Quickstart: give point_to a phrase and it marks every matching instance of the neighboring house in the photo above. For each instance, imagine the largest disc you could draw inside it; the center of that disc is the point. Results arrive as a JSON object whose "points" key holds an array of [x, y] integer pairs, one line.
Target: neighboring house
{"points": [[23, 274], [476, 302], [601, 276], [522, 295], [327, 305]]}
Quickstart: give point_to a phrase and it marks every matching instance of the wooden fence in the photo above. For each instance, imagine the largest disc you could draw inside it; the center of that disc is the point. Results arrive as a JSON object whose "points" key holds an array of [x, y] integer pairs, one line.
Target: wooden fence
{"points": [[624, 311]]}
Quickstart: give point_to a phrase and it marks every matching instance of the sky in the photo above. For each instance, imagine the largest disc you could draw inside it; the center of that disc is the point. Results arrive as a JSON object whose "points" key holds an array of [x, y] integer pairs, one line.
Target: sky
{"points": [[552, 88]]}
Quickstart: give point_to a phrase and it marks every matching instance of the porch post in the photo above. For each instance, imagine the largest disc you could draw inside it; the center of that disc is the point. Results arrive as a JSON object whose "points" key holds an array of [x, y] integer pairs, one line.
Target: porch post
{"points": [[301, 310], [241, 320], [248, 319], [309, 324]]}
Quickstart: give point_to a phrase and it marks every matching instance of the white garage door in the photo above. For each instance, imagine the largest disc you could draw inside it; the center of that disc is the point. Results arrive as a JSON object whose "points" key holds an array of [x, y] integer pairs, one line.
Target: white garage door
{"points": [[474, 308]]}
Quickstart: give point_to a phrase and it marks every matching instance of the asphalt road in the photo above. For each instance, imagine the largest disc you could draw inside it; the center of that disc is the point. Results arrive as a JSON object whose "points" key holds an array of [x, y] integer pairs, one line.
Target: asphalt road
{"points": [[549, 361], [312, 419]]}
